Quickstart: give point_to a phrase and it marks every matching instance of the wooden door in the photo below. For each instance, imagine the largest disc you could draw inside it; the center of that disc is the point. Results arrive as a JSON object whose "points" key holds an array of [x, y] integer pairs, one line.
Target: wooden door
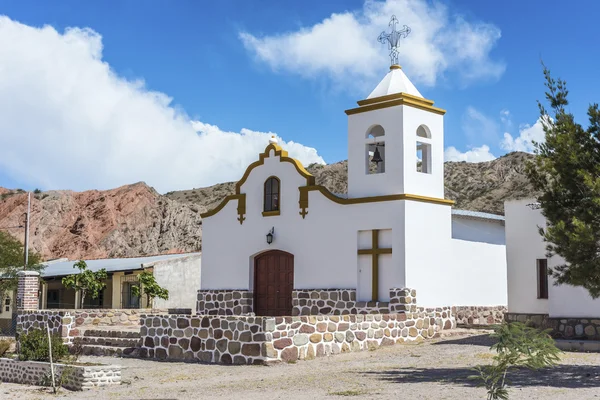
{"points": [[273, 283]]}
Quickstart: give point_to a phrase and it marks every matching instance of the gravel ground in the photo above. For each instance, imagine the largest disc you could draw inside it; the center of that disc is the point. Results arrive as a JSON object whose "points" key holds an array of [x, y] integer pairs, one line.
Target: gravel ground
{"points": [[432, 370]]}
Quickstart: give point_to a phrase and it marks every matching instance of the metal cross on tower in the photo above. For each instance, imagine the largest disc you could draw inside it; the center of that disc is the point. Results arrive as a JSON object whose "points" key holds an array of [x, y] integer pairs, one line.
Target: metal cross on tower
{"points": [[393, 38]]}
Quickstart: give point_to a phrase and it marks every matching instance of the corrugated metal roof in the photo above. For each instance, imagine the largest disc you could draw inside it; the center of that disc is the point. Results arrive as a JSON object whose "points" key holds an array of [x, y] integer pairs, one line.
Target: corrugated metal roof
{"points": [[477, 215], [63, 268]]}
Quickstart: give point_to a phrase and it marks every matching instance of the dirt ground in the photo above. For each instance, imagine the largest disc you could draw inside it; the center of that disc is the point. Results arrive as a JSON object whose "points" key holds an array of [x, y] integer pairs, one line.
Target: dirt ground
{"points": [[433, 370]]}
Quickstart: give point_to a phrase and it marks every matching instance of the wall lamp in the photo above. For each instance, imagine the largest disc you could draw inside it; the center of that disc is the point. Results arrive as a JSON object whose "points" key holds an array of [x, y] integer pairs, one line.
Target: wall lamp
{"points": [[270, 235]]}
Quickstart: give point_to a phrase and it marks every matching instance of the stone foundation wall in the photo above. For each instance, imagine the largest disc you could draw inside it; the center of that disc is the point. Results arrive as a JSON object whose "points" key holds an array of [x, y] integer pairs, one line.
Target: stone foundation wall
{"points": [[75, 377], [260, 340], [211, 339], [562, 328], [224, 302], [307, 337], [479, 315], [343, 302]]}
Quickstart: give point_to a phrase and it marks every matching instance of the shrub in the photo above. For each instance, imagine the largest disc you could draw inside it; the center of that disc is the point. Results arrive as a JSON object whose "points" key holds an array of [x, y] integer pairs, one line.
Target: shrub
{"points": [[33, 346], [4, 346], [517, 346], [37, 191]]}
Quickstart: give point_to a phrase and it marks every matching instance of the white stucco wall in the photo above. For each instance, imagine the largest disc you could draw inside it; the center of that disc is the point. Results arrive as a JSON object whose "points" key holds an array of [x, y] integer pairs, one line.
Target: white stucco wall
{"points": [[523, 247], [478, 230], [324, 244], [181, 276], [448, 271]]}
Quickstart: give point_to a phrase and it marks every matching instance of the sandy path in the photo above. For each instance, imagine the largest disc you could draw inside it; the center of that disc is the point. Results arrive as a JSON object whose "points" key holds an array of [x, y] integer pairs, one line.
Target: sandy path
{"points": [[433, 370]]}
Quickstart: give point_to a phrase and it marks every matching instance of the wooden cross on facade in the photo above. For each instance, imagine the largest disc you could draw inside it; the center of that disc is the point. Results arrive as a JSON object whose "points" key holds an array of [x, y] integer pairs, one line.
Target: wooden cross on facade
{"points": [[375, 251]]}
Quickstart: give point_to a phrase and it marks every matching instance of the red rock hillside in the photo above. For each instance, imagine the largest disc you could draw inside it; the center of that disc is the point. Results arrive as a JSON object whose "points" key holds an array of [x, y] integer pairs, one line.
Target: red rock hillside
{"points": [[130, 220]]}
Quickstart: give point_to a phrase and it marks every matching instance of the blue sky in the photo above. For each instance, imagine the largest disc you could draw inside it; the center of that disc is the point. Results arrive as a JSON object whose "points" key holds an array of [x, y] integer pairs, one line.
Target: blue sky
{"points": [[234, 65]]}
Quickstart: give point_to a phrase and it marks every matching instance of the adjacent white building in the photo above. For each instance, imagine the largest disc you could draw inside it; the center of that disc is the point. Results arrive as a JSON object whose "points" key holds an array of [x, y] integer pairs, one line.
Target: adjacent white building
{"points": [[532, 294], [281, 242]]}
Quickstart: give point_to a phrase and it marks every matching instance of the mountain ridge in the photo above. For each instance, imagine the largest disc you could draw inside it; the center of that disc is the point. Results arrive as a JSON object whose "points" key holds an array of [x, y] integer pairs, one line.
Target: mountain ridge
{"points": [[136, 220]]}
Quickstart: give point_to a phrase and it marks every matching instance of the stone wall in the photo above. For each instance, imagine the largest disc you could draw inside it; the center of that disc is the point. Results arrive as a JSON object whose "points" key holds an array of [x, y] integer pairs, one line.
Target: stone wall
{"points": [[211, 339], [259, 340], [224, 302], [333, 302], [75, 377], [561, 328], [479, 315], [305, 302], [71, 323]]}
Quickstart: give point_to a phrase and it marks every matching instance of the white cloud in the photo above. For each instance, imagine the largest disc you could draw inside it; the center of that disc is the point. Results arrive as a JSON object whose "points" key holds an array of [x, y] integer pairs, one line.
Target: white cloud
{"points": [[476, 154], [68, 121], [479, 127], [527, 135], [344, 47]]}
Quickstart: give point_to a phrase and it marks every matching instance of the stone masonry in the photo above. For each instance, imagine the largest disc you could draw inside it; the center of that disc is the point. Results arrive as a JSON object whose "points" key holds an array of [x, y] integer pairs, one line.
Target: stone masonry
{"points": [[72, 323], [343, 302], [259, 340], [224, 302], [479, 315], [561, 328], [27, 290], [76, 377]]}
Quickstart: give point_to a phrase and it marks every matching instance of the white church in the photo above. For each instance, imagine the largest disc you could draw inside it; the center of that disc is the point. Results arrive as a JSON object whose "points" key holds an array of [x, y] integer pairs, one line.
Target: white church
{"points": [[282, 245]]}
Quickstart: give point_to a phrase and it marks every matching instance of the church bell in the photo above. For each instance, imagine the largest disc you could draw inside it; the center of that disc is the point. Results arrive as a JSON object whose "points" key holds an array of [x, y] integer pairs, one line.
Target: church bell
{"points": [[376, 156]]}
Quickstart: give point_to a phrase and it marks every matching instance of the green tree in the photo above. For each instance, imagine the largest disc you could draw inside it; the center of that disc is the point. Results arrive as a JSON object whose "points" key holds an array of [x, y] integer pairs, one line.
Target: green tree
{"points": [[150, 288], [566, 172], [11, 262], [517, 346], [86, 281]]}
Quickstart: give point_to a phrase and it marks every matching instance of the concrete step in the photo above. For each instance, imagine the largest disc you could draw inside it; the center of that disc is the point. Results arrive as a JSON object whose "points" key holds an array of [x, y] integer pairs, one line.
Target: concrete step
{"points": [[107, 341], [113, 333], [109, 351]]}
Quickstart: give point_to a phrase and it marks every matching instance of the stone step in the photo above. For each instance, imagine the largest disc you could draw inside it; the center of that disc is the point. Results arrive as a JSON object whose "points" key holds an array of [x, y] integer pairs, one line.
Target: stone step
{"points": [[109, 351], [113, 333], [107, 341]]}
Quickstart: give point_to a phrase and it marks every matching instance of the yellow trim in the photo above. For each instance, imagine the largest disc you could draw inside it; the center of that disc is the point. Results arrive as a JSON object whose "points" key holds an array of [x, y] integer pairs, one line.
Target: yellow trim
{"points": [[303, 203], [395, 96], [393, 100], [270, 213], [241, 206], [283, 156], [395, 66]]}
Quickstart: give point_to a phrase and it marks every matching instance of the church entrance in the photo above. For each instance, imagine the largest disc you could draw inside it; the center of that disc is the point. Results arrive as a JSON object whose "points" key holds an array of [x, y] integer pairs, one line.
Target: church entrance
{"points": [[273, 283]]}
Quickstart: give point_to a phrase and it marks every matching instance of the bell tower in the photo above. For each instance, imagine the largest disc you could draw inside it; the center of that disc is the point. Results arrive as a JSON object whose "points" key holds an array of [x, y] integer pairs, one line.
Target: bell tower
{"points": [[395, 137]]}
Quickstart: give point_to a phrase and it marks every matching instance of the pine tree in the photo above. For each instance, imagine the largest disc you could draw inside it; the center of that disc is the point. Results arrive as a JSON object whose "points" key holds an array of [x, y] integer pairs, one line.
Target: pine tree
{"points": [[566, 172]]}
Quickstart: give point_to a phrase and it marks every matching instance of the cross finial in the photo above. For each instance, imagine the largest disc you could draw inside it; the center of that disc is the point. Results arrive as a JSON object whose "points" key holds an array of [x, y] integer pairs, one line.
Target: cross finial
{"points": [[393, 38]]}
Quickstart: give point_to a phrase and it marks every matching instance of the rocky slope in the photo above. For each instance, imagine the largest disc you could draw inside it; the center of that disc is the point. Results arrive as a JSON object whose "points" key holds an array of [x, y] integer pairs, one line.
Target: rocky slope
{"points": [[136, 220], [127, 221], [474, 186]]}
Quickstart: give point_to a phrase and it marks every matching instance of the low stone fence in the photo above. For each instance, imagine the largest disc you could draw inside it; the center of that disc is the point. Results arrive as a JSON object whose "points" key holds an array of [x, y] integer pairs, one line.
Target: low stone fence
{"points": [[561, 328], [74, 377], [260, 340], [71, 323], [479, 315]]}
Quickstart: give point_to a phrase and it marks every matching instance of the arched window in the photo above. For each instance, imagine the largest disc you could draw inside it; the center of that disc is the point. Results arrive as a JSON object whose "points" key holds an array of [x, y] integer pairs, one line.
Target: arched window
{"points": [[423, 149], [272, 187], [375, 150]]}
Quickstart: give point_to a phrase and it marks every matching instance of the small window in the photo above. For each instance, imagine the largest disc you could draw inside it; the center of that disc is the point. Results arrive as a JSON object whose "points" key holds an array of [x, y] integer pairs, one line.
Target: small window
{"points": [[542, 278], [271, 194]]}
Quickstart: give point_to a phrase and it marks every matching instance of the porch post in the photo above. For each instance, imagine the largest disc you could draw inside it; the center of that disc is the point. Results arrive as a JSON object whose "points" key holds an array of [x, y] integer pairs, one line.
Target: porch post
{"points": [[28, 287]]}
